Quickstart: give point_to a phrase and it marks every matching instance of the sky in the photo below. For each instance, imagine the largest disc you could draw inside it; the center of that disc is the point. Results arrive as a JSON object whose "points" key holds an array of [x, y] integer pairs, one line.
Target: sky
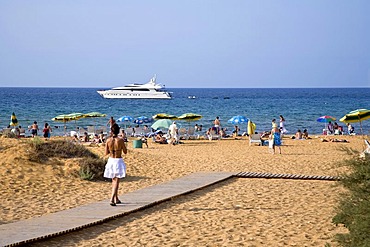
{"points": [[187, 44]]}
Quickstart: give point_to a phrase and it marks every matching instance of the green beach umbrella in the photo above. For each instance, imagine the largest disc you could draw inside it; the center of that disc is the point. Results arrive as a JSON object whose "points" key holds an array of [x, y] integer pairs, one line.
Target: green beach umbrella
{"points": [[162, 123], [13, 120], [94, 115]]}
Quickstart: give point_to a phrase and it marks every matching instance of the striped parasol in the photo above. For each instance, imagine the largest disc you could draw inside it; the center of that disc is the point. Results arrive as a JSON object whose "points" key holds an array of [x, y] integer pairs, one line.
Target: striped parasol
{"points": [[13, 120]]}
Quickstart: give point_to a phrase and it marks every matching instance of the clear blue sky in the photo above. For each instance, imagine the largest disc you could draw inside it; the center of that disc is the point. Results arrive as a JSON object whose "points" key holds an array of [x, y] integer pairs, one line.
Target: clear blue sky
{"points": [[192, 43]]}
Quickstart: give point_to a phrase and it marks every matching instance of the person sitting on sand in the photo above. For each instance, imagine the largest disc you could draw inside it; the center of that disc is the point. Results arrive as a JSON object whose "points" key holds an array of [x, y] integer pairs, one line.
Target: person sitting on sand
{"points": [[85, 137], [102, 138], [351, 129], [75, 139], [236, 131], [330, 128], [305, 134], [298, 135], [159, 138], [223, 133], [144, 140], [96, 139]]}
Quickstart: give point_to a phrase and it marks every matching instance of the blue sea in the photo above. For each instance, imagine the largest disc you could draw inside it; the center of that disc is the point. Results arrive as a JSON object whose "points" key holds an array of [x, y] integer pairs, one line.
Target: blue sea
{"points": [[300, 107]]}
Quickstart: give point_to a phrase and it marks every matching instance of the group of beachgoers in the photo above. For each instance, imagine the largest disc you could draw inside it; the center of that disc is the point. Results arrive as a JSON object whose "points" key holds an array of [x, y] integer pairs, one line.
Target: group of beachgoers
{"points": [[19, 132]]}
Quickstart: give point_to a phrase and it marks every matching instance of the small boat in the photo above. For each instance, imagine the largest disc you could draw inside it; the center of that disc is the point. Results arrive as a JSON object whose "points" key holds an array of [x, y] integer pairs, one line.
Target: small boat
{"points": [[149, 90], [192, 97]]}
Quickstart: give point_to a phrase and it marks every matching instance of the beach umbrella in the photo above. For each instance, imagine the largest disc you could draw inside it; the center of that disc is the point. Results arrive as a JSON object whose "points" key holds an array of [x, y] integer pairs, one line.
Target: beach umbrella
{"points": [[164, 116], [355, 116], [68, 117], [251, 127], [13, 120], [94, 115], [162, 123], [238, 119], [142, 120], [189, 117], [326, 119], [125, 119]]}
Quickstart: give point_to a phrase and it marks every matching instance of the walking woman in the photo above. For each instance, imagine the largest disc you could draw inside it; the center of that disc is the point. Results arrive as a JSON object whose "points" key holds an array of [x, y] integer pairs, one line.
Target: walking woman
{"points": [[115, 167]]}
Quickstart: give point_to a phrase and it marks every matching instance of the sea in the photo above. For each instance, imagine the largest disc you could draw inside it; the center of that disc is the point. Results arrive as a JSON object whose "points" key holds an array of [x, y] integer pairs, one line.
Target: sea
{"points": [[300, 106]]}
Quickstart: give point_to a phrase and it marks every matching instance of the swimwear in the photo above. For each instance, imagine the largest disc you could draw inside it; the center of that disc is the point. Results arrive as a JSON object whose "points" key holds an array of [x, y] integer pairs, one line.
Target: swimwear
{"points": [[277, 140]]}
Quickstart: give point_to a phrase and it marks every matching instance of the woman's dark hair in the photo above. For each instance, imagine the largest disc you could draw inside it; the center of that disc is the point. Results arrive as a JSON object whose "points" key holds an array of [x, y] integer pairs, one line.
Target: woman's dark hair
{"points": [[46, 125], [115, 129]]}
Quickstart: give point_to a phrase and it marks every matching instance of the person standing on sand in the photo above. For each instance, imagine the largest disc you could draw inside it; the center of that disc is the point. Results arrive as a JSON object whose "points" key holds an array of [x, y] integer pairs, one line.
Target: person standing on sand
{"points": [[47, 131], [115, 167], [174, 133], [110, 122], [217, 124], [275, 135], [282, 124], [34, 129]]}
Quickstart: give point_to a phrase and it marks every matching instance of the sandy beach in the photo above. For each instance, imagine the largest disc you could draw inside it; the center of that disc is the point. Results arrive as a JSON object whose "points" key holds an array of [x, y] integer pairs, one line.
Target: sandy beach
{"points": [[237, 212]]}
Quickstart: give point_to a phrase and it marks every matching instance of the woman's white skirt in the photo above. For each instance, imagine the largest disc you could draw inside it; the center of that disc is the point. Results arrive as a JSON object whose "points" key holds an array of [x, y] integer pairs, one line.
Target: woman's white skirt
{"points": [[115, 168]]}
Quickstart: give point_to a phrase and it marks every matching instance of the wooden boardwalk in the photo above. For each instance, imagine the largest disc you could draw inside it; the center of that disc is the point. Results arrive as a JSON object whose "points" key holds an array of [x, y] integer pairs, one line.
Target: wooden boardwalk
{"points": [[34, 229]]}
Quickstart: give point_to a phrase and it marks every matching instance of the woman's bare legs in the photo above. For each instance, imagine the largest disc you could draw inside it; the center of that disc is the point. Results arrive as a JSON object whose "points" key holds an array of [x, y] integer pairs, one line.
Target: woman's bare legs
{"points": [[115, 185]]}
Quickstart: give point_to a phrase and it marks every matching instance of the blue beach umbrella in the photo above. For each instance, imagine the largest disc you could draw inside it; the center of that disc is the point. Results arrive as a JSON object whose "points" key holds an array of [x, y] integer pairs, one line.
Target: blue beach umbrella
{"points": [[143, 120], [125, 119], [238, 120]]}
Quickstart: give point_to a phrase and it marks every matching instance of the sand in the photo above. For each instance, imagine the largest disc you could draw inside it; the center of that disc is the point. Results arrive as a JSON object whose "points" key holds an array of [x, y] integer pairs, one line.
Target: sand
{"points": [[238, 212]]}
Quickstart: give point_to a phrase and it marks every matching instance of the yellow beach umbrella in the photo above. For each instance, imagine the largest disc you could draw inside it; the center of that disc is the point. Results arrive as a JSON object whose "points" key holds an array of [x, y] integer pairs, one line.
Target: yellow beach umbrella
{"points": [[355, 116], [68, 117], [189, 117], [13, 120], [164, 116]]}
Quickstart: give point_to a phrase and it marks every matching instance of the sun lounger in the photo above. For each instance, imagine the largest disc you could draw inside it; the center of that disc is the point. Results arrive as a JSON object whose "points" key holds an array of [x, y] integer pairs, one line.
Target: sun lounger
{"points": [[191, 133], [90, 130], [255, 138], [129, 132], [213, 136], [183, 134], [22, 132]]}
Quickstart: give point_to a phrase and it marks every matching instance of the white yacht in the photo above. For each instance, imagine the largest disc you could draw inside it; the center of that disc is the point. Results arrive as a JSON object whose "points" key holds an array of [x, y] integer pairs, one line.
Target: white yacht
{"points": [[149, 90]]}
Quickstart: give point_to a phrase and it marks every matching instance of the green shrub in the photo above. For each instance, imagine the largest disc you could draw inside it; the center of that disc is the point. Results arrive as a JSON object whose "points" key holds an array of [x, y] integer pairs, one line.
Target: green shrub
{"points": [[354, 206], [91, 168], [41, 150]]}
